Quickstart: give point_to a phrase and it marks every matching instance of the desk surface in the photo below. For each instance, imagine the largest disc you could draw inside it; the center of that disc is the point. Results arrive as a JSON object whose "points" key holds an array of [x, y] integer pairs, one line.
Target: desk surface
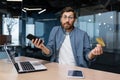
{"points": [[55, 72]]}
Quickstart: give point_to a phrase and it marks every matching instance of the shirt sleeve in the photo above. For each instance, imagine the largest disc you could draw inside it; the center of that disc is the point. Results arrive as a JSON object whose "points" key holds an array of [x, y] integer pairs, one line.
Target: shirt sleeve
{"points": [[87, 49], [51, 42]]}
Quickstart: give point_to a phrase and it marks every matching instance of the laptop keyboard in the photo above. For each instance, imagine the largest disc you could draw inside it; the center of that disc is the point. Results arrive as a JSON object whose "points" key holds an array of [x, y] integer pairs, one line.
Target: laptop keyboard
{"points": [[27, 66]]}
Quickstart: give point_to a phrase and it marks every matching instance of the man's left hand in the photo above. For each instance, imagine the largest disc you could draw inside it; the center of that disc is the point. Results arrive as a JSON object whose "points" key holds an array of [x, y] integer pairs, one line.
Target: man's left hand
{"points": [[95, 52]]}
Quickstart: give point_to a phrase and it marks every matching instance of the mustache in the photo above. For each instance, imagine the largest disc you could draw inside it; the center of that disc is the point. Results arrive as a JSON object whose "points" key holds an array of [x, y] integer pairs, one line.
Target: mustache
{"points": [[67, 23]]}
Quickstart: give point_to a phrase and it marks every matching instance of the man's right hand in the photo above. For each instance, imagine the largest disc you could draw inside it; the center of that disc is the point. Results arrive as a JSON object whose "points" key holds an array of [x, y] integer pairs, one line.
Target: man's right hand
{"points": [[37, 43], [40, 45]]}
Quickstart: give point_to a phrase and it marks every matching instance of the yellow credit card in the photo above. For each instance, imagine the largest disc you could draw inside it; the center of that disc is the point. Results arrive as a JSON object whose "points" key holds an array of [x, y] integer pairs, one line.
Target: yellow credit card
{"points": [[100, 41]]}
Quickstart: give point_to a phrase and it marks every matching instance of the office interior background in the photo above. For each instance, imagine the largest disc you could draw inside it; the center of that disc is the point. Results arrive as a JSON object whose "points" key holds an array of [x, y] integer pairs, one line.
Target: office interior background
{"points": [[99, 18]]}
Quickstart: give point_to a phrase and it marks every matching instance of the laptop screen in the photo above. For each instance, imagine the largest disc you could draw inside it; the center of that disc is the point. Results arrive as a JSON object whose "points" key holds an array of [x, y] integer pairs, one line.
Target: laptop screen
{"points": [[10, 56], [26, 66]]}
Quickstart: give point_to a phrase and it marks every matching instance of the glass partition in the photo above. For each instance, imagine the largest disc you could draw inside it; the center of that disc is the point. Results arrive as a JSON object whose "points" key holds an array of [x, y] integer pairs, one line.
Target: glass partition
{"points": [[103, 25], [86, 23]]}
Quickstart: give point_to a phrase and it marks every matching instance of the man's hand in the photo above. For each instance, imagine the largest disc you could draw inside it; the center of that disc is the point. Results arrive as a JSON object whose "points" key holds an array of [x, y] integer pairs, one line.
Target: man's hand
{"points": [[95, 52], [40, 45]]}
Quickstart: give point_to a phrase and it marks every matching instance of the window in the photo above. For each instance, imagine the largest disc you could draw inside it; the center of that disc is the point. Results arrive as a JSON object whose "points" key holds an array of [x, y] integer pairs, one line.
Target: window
{"points": [[11, 27], [29, 30]]}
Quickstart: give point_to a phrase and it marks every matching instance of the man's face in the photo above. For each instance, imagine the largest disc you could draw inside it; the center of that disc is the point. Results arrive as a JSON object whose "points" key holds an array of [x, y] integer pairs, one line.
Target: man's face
{"points": [[67, 20]]}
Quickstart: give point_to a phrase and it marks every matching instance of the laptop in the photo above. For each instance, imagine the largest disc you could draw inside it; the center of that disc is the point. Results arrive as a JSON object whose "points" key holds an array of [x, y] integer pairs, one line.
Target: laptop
{"points": [[26, 66]]}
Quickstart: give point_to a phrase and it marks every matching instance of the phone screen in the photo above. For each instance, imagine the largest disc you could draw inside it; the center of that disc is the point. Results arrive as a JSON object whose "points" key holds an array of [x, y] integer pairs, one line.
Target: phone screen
{"points": [[75, 74]]}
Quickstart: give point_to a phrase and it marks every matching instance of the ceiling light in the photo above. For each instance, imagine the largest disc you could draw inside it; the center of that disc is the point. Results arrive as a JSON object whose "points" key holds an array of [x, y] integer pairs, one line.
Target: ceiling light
{"points": [[15, 0], [32, 9], [24, 10], [41, 11]]}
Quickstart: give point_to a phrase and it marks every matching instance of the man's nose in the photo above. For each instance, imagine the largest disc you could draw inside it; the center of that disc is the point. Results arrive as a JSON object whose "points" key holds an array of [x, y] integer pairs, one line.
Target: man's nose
{"points": [[67, 19]]}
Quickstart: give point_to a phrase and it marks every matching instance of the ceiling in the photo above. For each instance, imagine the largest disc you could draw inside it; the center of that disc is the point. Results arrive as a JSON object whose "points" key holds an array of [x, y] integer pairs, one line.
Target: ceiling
{"points": [[54, 6]]}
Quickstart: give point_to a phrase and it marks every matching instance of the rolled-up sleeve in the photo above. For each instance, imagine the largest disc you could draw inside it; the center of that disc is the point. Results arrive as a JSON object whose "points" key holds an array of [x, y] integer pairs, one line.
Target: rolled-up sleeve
{"points": [[87, 49], [51, 42]]}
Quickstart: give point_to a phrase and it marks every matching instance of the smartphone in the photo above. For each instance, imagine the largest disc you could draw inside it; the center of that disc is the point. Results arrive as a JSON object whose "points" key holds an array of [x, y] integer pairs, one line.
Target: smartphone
{"points": [[30, 37], [75, 74]]}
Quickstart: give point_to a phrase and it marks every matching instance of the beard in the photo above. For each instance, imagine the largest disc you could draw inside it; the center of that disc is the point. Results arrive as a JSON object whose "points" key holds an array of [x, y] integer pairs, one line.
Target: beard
{"points": [[67, 26]]}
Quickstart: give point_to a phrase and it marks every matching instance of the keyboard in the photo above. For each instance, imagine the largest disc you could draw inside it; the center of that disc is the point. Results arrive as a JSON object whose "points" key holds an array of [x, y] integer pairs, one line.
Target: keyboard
{"points": [[27, 66]]}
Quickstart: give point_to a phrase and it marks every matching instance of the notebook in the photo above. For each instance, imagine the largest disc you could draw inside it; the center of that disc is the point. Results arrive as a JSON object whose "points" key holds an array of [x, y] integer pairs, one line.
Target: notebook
{"points": [[26, 66]]}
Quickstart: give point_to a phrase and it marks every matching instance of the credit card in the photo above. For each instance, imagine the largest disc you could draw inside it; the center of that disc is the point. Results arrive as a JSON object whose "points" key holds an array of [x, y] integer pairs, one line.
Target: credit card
{"points": [[100, 41]]}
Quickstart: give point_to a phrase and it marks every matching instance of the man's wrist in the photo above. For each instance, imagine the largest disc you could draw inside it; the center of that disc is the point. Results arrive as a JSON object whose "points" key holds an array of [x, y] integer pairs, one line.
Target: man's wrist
{"points": [[91, 56]]}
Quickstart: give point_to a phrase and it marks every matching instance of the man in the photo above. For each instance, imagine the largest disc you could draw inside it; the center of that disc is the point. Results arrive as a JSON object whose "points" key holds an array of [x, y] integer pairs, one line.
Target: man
{"points": [[68, 44]]}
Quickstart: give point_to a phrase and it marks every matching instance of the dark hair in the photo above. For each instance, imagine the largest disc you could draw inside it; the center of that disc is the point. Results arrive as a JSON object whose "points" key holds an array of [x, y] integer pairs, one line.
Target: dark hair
{"points": [[68, 9]]}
